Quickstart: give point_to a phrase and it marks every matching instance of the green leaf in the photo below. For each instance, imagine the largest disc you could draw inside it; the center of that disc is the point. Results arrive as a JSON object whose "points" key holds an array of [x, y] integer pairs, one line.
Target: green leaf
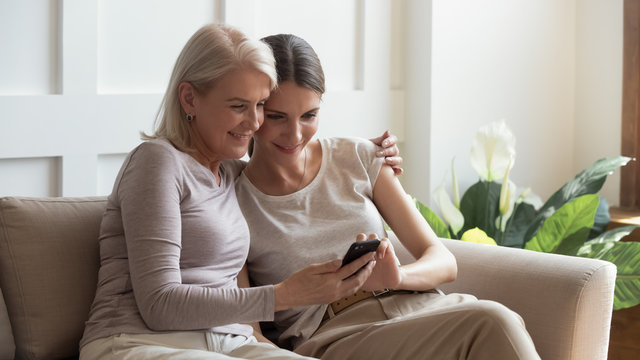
{"points": [[626, 256], [612, 235], [589, 181], [517, 225], [438, 226], [572, 243], [479, 205], [601, 220], [567, 220]]}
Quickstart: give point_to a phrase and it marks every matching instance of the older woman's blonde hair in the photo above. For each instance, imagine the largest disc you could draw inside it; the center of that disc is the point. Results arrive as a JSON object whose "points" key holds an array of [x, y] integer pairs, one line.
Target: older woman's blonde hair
{"points": [[210, 53]]}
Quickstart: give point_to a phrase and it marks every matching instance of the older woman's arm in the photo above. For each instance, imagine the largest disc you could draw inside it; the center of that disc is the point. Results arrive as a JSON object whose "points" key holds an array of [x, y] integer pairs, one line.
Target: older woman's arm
{"points": [[149, 196], [243, 282]]}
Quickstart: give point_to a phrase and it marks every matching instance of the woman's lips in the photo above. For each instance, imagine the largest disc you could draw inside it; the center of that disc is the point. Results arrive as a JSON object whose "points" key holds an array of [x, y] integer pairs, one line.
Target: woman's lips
{"points": [[241, 136], [288, 149]]}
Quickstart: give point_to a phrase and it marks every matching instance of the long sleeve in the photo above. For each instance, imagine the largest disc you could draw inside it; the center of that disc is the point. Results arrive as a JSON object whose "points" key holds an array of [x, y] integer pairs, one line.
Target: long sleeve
{"points": [[172, 243]]}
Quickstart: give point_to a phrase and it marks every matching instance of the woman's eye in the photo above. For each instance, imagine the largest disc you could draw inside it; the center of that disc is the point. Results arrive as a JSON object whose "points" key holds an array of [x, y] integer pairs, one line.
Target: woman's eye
{"points": [[274, 116], [309, 116], [237, 107]]}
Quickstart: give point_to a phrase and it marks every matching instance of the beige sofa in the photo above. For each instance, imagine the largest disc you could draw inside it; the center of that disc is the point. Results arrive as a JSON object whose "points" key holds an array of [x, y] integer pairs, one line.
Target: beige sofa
{"points": [[49, 264]]}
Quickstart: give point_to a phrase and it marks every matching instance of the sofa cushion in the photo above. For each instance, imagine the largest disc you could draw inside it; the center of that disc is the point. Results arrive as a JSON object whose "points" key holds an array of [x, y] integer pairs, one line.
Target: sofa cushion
{"points": [[48, 271], [7, 346]]}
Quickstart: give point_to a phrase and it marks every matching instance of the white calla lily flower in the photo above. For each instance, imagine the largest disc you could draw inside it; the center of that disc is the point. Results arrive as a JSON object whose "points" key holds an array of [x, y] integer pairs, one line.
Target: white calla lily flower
{"points": [[505, 192], [509, 204], [517, 196], [531, 198], [449, 211], [493, 150], [454, 183], [525, 193]]}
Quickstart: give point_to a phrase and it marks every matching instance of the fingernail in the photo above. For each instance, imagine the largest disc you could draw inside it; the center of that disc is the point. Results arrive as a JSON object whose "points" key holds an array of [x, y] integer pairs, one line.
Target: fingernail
{"points": [[337, 262], [380, 153], [385, 143]]}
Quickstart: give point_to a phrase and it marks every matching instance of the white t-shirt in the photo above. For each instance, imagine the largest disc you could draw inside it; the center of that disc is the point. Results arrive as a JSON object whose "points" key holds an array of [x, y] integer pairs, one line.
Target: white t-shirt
{"points": [[313, 225]]}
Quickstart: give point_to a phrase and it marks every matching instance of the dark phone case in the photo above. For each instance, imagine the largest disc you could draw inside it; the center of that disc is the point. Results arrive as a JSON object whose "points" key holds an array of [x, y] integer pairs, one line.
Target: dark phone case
{"points": [[359, 248]]}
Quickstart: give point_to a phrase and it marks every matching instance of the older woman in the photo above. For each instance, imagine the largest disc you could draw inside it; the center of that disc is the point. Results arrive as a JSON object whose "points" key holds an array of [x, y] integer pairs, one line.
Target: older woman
{"points": [[173, 239], [294, 183]]}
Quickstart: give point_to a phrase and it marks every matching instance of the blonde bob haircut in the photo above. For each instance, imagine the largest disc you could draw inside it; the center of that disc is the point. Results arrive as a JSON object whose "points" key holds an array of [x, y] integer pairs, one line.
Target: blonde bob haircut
{"points": [[211, 52]]}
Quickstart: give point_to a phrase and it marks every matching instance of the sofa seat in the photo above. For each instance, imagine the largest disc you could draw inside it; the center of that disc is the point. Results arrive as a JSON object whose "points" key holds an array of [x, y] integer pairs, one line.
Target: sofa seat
{"points": [[49, 263]]}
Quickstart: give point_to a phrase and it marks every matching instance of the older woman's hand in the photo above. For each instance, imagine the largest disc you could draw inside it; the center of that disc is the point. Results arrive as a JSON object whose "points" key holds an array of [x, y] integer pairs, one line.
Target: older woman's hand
{"points": [[323, 283], [389, 151]]}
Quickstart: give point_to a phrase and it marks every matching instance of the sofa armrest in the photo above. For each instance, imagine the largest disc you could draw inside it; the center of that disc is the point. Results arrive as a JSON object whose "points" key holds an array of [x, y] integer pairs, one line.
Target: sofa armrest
{"points": [[565, 301]]}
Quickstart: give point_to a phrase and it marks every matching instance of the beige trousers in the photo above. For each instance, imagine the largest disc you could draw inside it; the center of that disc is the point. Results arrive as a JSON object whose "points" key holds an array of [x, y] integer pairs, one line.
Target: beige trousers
{"points": [[422, 326], [187, 345]]}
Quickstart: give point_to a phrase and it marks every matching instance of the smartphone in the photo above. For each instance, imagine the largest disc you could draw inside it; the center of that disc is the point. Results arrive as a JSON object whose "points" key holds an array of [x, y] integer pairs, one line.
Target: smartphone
{"points": [[359, 248]]}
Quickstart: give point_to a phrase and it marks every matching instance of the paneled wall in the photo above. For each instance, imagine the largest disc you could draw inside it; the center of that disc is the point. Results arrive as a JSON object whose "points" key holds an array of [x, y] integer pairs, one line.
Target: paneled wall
{"points": [[79, 79]]}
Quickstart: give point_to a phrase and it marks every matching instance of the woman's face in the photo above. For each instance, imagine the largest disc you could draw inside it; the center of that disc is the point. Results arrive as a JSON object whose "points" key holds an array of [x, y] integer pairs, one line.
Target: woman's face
{"points": [[291, 120], [228, 114]]}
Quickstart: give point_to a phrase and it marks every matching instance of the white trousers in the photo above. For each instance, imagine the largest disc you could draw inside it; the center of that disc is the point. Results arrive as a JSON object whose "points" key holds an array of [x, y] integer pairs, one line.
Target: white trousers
{"points": [[185, 345]]}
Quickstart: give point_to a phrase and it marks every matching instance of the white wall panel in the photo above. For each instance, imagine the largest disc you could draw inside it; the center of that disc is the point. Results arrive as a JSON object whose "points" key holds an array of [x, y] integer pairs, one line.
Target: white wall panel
{"points": [[78, 36], [599, 87], [30, 176], [29, 43], [108, 167], [418, 76], [399, 37], [113, 58], [332, 27], [352, 39], [511, 59], [139, 41], [81, 78]]}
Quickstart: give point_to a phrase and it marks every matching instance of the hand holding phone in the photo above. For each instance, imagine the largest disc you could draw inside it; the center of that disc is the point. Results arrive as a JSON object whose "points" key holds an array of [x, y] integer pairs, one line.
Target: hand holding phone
{"points": [[359, 248]]}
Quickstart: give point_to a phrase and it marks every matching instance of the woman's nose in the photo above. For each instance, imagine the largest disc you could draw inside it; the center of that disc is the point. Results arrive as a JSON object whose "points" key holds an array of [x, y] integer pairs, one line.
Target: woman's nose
{"points": [[254, 119], [294, 131]]}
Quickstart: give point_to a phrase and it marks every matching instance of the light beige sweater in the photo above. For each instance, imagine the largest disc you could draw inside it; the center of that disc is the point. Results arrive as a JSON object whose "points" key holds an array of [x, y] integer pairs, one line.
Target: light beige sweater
{"points": [[171, 245]]}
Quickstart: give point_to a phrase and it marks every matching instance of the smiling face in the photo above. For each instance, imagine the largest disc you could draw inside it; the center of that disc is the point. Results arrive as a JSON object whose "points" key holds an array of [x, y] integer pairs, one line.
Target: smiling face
{"points": [[291, 120], [228, 114]]}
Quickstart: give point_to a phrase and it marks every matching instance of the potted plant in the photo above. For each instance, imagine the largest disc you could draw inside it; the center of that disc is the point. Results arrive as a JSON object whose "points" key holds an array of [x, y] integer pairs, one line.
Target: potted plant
{"points": [[572, 221]]}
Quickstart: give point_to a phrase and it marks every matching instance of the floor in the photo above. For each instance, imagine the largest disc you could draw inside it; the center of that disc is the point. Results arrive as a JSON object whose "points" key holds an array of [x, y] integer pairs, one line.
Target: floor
{"points": [[625, 330]]}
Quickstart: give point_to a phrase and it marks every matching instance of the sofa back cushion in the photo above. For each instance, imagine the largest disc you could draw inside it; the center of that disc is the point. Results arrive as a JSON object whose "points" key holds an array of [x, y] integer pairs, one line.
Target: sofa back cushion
{"points": [[7, 345], [49, 263]]}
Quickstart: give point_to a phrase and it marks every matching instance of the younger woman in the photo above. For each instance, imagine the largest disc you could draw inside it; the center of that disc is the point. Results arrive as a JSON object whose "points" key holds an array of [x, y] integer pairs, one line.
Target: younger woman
{"points": [[305, 200]]}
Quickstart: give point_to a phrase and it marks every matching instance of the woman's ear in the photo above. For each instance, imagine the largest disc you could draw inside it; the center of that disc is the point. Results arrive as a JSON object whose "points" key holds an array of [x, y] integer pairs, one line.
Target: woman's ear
{"points": [[187, 96]]}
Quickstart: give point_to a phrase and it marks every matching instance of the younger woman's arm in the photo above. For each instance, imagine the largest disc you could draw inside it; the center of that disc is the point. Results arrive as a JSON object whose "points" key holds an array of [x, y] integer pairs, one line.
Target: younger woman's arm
{"points": [[434, 265]]}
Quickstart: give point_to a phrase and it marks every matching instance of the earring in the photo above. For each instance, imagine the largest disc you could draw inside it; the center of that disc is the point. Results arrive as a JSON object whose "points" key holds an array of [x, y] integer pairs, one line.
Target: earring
{"points": [[189, 117]]}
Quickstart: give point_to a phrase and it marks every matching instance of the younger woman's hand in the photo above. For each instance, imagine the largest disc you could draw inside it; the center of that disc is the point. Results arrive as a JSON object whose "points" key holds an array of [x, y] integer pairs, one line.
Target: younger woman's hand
{"points": [[323, 283], [387, 273], [389, 151]]}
